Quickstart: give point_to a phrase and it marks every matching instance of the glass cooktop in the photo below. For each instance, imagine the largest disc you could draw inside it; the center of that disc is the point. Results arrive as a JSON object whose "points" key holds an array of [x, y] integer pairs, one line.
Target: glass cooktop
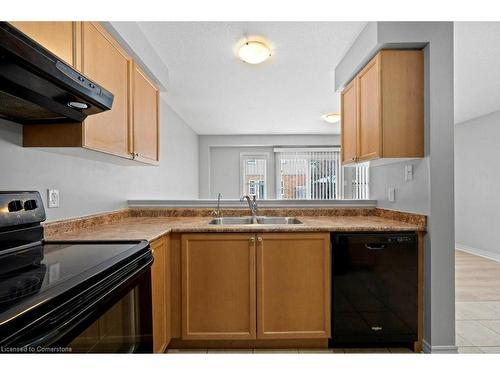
{"points": [[33, 272]]}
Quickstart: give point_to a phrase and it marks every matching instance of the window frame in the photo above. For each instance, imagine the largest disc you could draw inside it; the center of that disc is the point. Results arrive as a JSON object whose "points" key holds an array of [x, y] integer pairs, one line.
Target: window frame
{"points": [[255, 155]]}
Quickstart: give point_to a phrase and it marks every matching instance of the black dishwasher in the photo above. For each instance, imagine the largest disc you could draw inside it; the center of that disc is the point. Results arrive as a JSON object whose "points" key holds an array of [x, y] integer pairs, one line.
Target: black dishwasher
{"points": [[374, 289]]}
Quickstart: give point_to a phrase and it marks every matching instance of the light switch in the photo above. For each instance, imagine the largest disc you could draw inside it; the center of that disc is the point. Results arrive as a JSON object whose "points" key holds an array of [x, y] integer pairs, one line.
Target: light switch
{"points": [[53, 198], [409, 172], [391, 194]]}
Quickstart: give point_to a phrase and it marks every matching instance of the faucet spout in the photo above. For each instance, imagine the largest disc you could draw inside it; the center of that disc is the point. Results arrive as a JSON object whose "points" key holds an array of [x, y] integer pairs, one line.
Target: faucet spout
{"points": [[252, 204], [217, 213]]}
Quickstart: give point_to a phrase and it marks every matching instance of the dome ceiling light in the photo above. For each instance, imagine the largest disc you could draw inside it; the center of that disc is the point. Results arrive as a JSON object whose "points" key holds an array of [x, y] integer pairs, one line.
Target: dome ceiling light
{"points": [[254, 52], [331, 117]]}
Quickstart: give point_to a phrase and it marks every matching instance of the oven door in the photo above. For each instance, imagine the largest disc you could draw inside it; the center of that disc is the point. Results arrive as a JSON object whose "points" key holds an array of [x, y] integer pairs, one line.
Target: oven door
{"points": [[122, 328]]}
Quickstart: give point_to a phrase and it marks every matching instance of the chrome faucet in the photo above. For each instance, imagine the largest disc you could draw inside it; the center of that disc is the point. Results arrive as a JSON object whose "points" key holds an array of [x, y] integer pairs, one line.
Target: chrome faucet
{"points": [[217, 213], [252, 204]]}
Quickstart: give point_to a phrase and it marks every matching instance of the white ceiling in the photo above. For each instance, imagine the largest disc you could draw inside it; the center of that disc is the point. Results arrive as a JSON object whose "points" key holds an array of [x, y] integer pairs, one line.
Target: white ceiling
{"points": [[477, 73], [216, 93]]}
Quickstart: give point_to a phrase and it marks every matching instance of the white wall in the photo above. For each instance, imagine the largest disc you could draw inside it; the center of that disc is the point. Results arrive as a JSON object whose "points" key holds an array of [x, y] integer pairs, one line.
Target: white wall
{"points": [[88, 186], [477, 183], [224, 149], [411, 196]]}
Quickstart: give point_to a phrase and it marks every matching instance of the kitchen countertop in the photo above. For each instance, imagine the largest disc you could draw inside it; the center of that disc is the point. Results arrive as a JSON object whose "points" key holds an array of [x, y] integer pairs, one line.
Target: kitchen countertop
{"points": [[151, 228]]}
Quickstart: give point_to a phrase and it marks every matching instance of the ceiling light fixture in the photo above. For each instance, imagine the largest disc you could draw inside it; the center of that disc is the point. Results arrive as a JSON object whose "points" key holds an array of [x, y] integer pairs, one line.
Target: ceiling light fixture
{"points": [[254, 52], [331, 117]]}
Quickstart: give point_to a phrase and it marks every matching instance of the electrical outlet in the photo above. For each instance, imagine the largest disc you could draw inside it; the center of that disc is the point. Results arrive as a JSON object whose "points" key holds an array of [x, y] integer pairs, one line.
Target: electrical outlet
{"points": [[53, 198], [409, 172], [391, 194]]}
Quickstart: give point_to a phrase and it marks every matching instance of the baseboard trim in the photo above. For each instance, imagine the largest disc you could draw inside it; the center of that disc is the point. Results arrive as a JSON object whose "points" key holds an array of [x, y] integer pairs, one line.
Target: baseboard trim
{"points": [[479, 252], [439, 349]]}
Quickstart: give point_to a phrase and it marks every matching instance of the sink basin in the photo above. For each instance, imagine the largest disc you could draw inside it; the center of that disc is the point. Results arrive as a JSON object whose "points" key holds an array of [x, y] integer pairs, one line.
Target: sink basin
{"points": [[245, 220], [278, 220], [231, 220]]}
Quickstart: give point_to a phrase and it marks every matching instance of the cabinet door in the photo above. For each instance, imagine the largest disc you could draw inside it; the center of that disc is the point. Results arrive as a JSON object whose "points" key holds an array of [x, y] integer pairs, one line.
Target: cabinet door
{"points": [[369, 126], [349, 122], [58, 37], [218, 286], [107, 63], [146, 119], [159, 295], [293, 285]]}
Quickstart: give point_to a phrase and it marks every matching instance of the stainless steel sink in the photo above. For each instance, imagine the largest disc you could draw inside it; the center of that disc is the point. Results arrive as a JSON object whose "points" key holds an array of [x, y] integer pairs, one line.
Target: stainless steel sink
{"points": [[278, 220], [245, 220], [231, 220]]}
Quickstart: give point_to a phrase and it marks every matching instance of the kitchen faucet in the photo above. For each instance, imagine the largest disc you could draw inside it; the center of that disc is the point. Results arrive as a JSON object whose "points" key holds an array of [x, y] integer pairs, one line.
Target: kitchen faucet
{"points": [[252, 204], [217, 213]]}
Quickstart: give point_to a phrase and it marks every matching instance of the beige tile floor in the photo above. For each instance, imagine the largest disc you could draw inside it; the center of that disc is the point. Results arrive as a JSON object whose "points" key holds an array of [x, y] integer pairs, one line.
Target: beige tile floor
{"points": [[477, 309]]}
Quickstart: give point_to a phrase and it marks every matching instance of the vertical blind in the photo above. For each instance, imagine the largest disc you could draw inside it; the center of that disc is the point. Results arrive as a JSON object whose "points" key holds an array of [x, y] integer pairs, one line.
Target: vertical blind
{"points": [[309, 174], [361, 182]]}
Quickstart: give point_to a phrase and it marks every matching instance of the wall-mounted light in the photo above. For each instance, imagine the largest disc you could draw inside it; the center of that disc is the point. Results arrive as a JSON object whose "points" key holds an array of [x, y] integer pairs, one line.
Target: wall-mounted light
{"points": [[254, 52], [331, 117]]}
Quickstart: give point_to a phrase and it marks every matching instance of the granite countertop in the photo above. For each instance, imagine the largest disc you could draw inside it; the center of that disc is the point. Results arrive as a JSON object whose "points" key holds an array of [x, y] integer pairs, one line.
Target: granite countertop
{"points": [[151, 228]]}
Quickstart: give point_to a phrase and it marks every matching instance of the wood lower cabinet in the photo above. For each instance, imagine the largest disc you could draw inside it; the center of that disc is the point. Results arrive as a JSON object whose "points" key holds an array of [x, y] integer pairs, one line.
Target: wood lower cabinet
{"points": [[383, 109], [255, 286], [160, 293], [293, 285], [218, 286], [60, 38]]}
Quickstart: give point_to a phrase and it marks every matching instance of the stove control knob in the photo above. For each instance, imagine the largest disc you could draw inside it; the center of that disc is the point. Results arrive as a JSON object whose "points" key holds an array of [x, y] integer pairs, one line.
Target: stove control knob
{"points": [[30, 204], [15, 205]]}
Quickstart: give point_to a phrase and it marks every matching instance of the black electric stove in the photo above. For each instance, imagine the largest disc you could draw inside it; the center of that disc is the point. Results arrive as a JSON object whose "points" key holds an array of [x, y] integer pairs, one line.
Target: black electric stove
{"points": [[69, 296]]}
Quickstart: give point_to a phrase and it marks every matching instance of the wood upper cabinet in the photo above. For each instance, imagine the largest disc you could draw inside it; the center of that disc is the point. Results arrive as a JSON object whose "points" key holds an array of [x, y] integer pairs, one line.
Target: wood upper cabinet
{"points": [[218, 286], [349, 122], [146, 126], [293, 285], [160, 293], [369, 124], [60, 38], [389, 115], [105, 61], [131, 128]]}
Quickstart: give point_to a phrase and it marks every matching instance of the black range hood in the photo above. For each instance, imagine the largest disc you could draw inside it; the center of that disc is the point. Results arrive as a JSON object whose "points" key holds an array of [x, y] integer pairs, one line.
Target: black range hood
{"points": [[36, 87]]}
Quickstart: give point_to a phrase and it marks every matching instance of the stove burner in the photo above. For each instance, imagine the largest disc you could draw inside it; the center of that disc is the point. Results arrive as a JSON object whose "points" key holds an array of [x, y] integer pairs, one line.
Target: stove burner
{"points": [[18, 286]]}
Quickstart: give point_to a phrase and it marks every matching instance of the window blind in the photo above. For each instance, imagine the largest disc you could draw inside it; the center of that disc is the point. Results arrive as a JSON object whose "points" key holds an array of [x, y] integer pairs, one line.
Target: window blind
{"points": [[360, 182], [309, 174]]}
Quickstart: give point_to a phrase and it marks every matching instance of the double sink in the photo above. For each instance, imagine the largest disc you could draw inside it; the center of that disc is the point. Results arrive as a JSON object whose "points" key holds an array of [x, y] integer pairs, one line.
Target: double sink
{"points": [[249, 220]]}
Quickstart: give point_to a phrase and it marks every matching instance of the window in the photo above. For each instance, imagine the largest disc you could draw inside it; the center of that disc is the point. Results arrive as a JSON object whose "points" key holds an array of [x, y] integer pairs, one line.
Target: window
{"points": [[254, 175], [313, 173]]}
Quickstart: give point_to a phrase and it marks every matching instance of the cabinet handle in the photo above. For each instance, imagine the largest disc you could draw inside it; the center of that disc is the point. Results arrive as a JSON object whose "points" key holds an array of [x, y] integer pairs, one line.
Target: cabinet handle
{"points": [[153, 251], [251, 239], [259, 239], [376, 328]]}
